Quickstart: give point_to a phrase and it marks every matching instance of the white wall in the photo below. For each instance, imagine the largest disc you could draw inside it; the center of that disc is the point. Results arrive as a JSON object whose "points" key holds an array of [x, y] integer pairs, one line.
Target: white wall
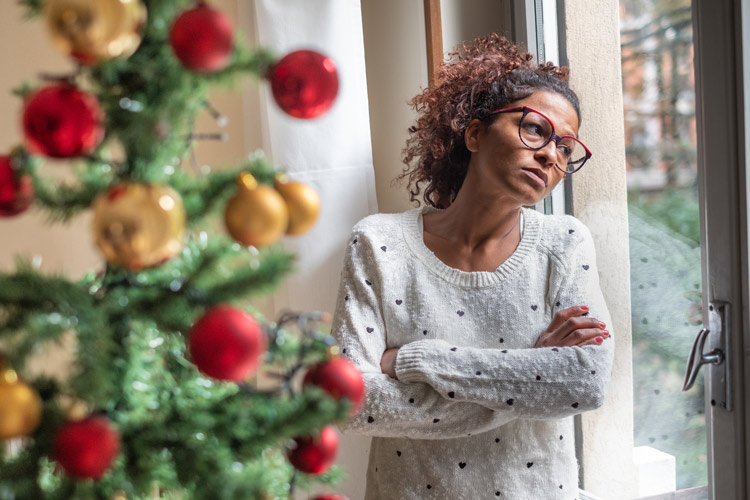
{"points": [[395, 54], [600, 201], [464, 20]]}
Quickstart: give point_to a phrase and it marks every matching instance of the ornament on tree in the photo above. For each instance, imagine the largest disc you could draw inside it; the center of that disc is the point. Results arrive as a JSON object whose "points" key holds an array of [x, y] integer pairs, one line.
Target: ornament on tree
{"points": [[339, 378], [85, 449], [62, 122], [16, 191], [95, 31], [257, 214], [315, 455], [73, 408], [302, 202], [226, 343], [202, 38], [138, 225], [20, 407], [304, 83]]}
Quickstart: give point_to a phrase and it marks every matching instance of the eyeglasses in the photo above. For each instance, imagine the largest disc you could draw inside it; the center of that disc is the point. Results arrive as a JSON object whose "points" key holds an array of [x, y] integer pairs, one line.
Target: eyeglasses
{"points": [[536, 131]]}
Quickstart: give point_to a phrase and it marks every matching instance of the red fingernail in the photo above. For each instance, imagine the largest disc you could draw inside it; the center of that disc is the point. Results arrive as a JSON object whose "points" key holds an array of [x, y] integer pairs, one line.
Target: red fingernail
{"points": [[585, 308], [605, 333], [602, 325], [599, 340]]}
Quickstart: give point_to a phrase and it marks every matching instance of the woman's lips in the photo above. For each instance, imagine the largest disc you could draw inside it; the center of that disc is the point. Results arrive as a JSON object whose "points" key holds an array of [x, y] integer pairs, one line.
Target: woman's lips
{"points": [[538, 176]]}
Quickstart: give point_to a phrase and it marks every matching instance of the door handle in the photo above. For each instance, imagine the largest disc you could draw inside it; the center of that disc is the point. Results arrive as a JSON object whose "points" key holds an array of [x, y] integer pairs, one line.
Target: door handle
{"points": [[719, 338], [698, 359]]}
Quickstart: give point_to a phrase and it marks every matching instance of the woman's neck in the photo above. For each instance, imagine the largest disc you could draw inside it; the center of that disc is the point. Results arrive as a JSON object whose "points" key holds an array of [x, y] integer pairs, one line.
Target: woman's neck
{"points": [[475, 222]]}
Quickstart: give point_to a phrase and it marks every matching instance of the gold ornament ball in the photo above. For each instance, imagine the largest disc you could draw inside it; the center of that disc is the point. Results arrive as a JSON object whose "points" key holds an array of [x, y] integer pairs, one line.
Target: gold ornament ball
{"points": [[20, 407], [138, 225], [92, 31], [303, 204], [257, 214]]}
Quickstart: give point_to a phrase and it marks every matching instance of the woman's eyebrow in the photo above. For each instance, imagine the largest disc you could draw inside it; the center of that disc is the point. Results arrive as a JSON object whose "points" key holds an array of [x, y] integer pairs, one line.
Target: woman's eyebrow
{"points": [[571, 134]]}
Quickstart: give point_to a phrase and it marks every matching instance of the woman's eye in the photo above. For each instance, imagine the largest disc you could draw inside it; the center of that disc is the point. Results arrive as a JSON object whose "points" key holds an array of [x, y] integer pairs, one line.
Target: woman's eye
{"points": [[533, 128], [564, 150]]}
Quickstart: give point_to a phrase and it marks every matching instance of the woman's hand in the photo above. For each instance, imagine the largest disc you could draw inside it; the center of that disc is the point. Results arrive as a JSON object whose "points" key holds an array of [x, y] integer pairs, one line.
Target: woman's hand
{"points": [[570, 328], [388, 362]]}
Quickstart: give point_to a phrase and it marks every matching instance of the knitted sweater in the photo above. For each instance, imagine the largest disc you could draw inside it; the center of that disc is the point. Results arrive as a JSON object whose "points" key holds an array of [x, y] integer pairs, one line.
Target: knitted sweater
{"points": [[477, 412]]}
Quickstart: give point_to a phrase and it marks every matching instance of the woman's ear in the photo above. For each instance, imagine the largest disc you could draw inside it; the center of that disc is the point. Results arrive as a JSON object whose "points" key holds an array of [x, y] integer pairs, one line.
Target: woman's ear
{"points": [[472, 134]]}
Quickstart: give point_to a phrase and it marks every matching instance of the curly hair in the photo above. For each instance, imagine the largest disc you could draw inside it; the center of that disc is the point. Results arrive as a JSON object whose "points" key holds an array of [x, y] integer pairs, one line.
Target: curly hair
{"points": [[479, 77]]}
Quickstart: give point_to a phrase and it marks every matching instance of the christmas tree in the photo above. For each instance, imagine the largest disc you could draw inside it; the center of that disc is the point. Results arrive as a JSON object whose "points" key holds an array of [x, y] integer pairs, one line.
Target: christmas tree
{"points": [[163, 399]]}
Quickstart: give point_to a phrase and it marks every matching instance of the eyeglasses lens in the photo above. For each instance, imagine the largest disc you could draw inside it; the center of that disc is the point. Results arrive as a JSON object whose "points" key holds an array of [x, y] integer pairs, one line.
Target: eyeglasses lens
{"points": [[536, 130]]}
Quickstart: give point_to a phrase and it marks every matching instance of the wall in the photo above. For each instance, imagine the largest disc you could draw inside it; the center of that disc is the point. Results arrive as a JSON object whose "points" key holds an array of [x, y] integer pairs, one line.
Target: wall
{"points": [[600, 201], [465, 20], [395, 54]]}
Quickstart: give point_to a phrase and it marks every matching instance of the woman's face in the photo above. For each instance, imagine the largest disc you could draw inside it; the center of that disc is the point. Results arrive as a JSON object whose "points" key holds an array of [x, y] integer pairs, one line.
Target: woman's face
{"points": [[508, 167]]}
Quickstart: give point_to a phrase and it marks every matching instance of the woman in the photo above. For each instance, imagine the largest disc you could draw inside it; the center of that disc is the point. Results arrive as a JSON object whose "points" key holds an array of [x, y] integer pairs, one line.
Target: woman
{"points": [[469, 318]]}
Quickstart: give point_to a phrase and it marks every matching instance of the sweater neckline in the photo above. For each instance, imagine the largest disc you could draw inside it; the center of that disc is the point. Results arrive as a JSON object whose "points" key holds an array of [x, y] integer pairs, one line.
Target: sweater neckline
{"points": [[410, 224]]}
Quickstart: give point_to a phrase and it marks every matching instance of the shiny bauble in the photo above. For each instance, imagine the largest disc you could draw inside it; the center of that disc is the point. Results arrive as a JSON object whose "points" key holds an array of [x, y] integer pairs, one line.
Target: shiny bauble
{"points": [[138, 225], [16, 191], [304, 83], [341, 379], [315, 454], [85, 449], [20, 407], [256, 215], [92, 31], [61, 121], [226, 343], [303, 204], [202, 38]]}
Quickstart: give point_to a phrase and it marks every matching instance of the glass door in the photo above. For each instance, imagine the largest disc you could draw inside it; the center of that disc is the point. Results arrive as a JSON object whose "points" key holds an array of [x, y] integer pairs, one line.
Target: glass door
{"points": [[687, 201], [722, 92], [665, 243]]}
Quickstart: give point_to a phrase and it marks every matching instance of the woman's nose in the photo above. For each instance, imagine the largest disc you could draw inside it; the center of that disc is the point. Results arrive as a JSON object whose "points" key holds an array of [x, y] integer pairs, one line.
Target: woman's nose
{"points": [[548, 153]]}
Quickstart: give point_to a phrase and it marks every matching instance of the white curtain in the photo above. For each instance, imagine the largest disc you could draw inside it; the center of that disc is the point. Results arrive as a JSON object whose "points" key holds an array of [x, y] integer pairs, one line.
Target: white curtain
{"points": [[332, 153]]}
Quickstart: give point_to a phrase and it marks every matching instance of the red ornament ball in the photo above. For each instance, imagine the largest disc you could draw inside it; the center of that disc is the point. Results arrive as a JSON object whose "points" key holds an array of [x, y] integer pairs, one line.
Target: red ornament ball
{"points": [[226, 343], [16, 191], [315, 455], [62, 122], [339, 378], [202, 38], [85, 449], [304, 83]]}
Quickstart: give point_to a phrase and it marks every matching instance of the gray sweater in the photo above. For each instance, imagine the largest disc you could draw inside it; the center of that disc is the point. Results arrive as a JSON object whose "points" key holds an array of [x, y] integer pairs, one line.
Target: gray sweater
{"points": [[477, 412]]}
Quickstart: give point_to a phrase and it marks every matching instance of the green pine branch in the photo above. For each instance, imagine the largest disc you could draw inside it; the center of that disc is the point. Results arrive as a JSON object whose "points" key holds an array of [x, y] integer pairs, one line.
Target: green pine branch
{"points": [[36, 309], [201, 195], [62, 201]]}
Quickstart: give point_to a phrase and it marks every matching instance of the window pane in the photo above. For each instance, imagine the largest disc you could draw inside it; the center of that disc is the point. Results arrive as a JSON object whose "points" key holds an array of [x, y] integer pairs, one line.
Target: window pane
{"points": [[659, 103]]}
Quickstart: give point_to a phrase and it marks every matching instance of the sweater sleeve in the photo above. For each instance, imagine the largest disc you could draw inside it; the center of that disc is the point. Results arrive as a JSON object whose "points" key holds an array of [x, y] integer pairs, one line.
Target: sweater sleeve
{"points": [[536, 383], [392, 408]]}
